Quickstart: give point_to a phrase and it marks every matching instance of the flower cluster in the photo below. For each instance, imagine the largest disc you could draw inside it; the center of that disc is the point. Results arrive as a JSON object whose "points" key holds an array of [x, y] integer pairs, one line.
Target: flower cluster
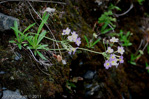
{"points": [[72, 37], [112, 58]]}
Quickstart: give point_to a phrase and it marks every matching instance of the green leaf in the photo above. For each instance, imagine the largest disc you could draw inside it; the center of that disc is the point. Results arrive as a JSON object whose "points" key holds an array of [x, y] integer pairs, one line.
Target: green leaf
{"points": [[132, 57], [35, 52], [113, 34], [35, 41], [133, 63], [129, 44], [86, 40], [41, 55], [12, 41], [42, 47], [140, 1], [72, 85], [95, 42], [20, 47], [28, 27], [44, 19], [146, 64], [138, 56], [25, 44], [17, 32], [29, 39], [117, 8], [41, 36], [128, 33], [107, 30], [141, 52], [15, 28], [104, 26]]}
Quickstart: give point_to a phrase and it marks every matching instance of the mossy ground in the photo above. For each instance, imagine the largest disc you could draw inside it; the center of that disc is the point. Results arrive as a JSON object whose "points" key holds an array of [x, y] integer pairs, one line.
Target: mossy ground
{"points": [[125, 81]]}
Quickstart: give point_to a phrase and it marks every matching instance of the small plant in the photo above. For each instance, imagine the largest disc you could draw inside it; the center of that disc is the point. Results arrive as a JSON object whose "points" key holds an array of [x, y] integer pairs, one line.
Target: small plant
{"points": [[111, 7], [140, 1], [125, 38], [70, 85], [106, 20], [91, 43], [33, 41], [134, 58], [20, 37]]}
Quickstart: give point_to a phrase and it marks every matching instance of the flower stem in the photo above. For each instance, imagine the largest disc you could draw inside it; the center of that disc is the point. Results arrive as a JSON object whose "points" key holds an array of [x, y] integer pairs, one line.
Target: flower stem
{"points": [[52, 39], [90, 50]]}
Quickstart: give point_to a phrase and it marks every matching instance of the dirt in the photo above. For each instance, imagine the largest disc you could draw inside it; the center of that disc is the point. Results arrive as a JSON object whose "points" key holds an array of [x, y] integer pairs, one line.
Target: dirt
{"points": [[127, 81]]}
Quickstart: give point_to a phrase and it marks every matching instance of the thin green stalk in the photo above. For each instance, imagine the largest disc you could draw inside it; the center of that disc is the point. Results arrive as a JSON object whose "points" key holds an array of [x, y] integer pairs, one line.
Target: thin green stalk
{"points": [[52, 39], [90, 50]]}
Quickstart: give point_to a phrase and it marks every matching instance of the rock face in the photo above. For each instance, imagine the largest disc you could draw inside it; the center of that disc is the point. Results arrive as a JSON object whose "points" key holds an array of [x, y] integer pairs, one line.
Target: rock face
{"points": [[8, 94], [6, 22]]}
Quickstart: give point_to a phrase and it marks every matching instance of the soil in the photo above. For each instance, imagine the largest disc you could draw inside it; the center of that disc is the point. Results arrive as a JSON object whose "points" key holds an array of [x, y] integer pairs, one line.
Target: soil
{"points": [[127, 81]]}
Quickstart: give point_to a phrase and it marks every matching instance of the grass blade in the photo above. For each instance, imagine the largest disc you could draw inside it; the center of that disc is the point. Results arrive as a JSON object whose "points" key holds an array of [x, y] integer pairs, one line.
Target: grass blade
{"points": [[15, 28], [105, 31], [42, 47], [28, 27], [41, 36], [95, 42], [44, 20], [41, 55], [86, 40]]}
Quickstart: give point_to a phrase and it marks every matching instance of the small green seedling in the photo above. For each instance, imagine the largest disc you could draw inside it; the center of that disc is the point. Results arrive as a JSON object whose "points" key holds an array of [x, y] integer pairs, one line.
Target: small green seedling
{"points": [[70, 85], [33, 41], [91, 43], [140, 1], [125, 38], [133, 57], [106, 19], [20, 37], [111, 7]]}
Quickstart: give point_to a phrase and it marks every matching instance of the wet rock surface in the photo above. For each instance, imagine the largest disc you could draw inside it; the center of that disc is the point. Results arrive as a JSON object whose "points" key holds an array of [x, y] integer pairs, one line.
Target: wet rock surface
{"points": [[8, 94], [6, 22], [20, 71], [89, 75]]}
